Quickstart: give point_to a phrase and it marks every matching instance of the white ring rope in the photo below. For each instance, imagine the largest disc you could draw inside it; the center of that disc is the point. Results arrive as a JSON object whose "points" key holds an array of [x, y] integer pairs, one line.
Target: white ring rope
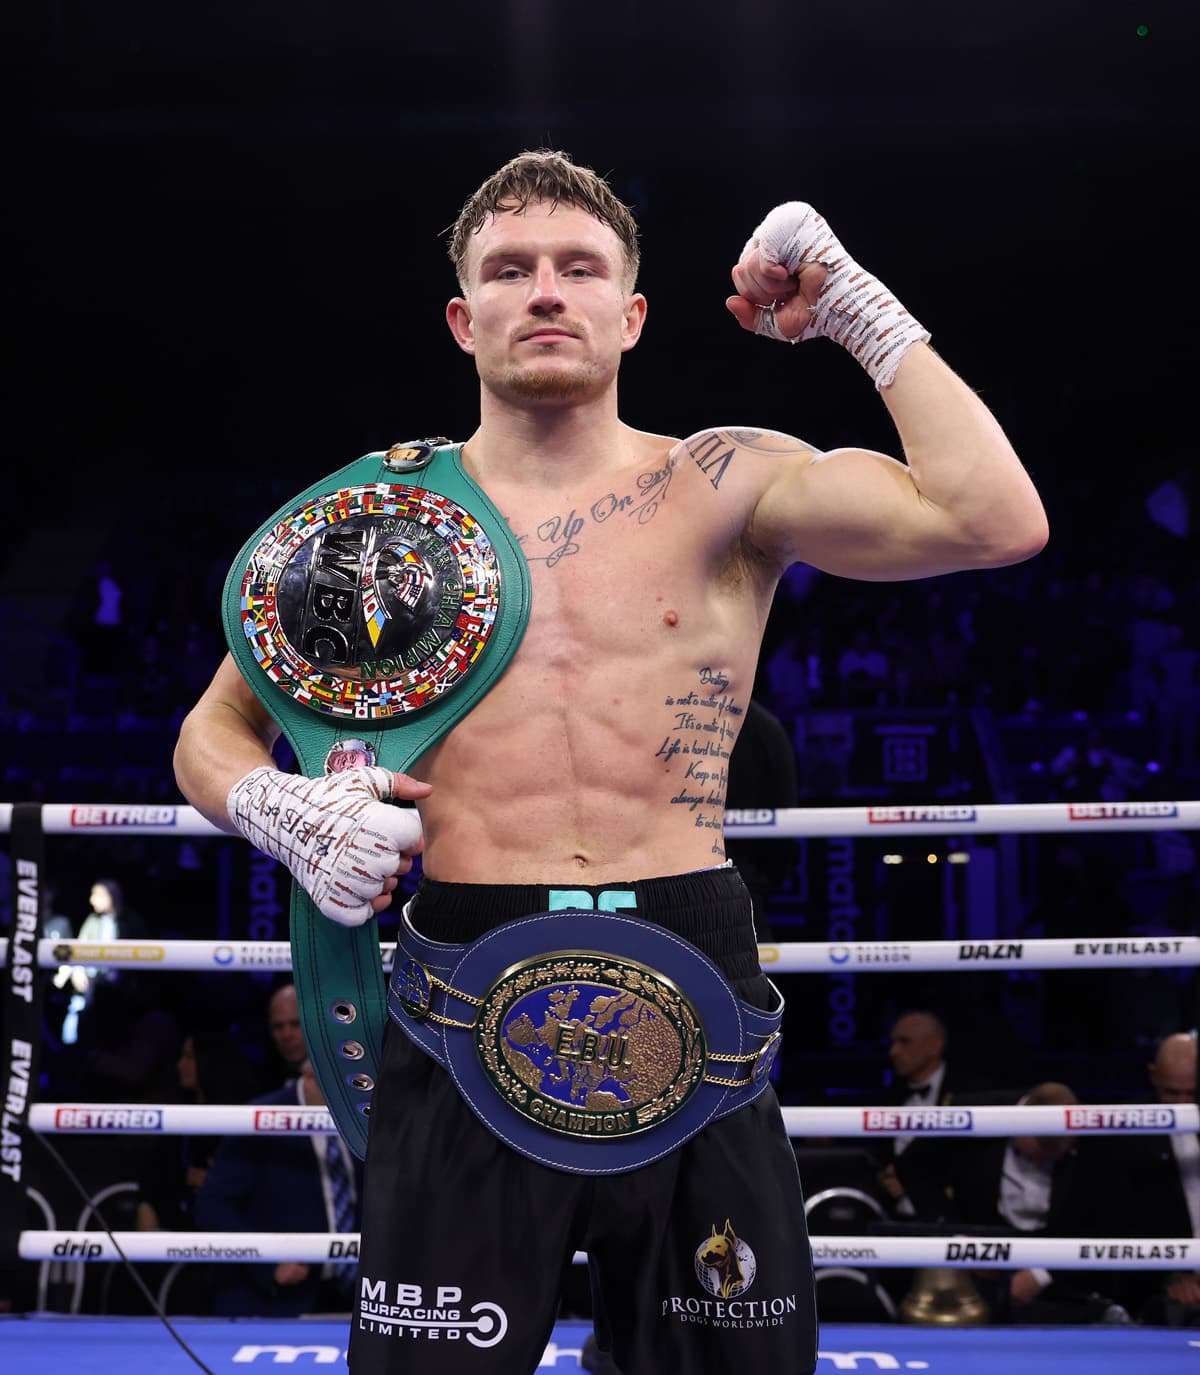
{"points": [[935, 818], [891, 821], [209, 1119], [316, 1248], [793, 957]]}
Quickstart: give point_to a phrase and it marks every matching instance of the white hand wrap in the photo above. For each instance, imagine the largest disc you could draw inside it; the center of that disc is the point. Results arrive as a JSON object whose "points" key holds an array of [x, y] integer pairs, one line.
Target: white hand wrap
{"points": [[337, 835], [854, 308]]}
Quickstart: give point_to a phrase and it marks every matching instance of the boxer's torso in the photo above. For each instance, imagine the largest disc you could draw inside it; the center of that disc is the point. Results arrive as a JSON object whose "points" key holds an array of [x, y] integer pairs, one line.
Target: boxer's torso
{"points": [[603, 750]]}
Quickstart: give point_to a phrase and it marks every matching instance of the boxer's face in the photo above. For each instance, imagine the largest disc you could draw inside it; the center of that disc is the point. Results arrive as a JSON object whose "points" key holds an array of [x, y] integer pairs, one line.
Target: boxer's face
{"points": [[547, 316]]}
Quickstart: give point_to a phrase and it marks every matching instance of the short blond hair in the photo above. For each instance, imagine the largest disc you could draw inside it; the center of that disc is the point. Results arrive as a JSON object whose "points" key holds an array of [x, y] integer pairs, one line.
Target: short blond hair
{"points": [[544, 175]]}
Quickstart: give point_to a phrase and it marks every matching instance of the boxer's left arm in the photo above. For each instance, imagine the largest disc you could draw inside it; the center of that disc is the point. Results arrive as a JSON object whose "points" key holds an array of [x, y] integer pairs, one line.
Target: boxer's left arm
{"points": [[960, 500]]}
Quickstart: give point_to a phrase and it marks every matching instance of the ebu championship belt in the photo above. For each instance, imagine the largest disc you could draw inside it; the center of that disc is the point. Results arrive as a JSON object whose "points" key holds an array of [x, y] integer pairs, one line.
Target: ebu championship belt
{"points": [[369, 615], [591, 1042]]}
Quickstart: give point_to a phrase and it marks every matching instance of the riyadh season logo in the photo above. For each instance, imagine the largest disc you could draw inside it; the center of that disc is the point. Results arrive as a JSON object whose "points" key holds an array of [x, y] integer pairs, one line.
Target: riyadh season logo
{"points": [[223, 954], [725, 1265]]}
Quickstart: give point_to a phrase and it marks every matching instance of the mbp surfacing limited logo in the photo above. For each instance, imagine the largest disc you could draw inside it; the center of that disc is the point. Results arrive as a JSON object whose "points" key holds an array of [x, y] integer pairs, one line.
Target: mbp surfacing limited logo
{"points": [[404, 1310], [726, 1267]]}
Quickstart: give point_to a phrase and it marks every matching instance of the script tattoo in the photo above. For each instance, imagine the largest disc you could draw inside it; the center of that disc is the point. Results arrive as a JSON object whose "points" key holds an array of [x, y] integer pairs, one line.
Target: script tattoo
{"points": [[561, 531], [702, 734]]}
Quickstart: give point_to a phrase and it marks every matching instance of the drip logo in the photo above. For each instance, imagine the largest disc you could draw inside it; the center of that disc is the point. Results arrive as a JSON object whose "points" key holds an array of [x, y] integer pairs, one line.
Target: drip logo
{"points": [[725, 1265]]}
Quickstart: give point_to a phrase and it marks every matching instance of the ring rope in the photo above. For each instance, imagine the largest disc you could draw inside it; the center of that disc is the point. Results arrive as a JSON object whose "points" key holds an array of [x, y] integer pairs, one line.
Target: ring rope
{"points": [[1084, 1119], [789, 957], [315, 1248], [1013, 818], [935, 819]]}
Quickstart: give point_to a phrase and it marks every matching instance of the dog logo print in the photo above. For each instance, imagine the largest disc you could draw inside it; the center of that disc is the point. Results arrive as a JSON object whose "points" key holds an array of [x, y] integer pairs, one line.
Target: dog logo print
{"points": [[725, 1265]]}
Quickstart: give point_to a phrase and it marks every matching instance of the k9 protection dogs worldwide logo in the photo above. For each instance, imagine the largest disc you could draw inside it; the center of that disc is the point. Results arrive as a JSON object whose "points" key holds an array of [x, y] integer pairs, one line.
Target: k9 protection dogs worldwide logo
{"points": [[726, 1268], [725, 1265]]}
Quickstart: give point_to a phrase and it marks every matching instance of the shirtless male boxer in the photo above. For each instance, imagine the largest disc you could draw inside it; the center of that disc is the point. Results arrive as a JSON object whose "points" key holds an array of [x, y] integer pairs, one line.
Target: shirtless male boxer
{"points": [[591, 766]]}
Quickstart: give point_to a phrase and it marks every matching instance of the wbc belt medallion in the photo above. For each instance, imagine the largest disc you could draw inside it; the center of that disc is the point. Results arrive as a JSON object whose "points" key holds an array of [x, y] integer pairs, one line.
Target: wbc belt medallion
{"points": [[371, 601], [590, 1045]]}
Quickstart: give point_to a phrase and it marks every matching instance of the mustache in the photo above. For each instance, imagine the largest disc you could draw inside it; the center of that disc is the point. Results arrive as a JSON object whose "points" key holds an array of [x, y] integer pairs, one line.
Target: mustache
{"points": [[564, 326]]}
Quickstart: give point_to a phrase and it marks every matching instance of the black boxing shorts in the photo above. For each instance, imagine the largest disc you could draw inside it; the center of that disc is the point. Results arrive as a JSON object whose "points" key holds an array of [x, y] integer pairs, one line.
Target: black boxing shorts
{"points": [[699, 1261]]}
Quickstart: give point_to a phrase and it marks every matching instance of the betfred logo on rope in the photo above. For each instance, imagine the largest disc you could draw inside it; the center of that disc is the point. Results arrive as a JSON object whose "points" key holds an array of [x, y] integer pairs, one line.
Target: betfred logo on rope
{"points": [[899, 816], [1149, 1119], [749, 816], [94, 1119], [292, 1120], [83, 817], [1119, 811], [912, 1121]]}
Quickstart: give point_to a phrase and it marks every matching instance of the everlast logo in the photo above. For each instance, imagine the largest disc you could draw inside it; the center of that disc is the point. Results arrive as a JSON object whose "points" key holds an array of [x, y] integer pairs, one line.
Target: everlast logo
{"points": [[22, 947], [20, 1057], [992, 950], [1144, 1251], [1164, 947]]}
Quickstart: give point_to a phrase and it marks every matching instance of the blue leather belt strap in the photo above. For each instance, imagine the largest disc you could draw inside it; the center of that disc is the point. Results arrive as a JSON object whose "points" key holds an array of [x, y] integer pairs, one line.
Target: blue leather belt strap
{"points": [[338, 972], [591, 1042]]}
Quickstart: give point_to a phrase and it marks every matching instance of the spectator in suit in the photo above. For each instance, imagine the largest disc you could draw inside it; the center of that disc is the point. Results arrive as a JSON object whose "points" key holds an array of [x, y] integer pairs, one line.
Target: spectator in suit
{"points": [[1022, 1184], [283, 1022], [922, 1077], [1149, 1186], [282, 1184]]}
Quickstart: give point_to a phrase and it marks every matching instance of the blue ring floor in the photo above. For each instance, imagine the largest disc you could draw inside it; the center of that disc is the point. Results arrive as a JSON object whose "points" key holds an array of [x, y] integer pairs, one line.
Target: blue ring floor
{"points": [[50, 1344]]}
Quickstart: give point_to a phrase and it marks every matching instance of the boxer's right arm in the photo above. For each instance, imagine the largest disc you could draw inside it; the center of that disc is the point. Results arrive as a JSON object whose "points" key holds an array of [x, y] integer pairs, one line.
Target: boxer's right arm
{"points": [[337, 835], [226, 735]]}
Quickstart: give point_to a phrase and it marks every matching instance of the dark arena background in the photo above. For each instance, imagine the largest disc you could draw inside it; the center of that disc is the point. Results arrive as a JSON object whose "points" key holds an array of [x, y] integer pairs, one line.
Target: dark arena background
{"points": [[229, 270]]}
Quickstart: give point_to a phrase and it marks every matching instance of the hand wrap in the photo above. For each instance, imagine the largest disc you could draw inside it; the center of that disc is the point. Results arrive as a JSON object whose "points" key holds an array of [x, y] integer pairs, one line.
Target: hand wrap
{"points": [[854, 308], [337, 835]]}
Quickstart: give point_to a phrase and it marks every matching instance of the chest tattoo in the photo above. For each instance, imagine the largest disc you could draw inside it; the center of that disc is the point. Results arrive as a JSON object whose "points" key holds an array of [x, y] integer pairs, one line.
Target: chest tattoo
{"points": [[564, 533]]}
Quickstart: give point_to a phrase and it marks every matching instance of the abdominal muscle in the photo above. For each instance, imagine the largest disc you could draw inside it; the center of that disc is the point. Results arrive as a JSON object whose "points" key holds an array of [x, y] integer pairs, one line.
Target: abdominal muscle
{"points": [[602, 752], [552, 781]]}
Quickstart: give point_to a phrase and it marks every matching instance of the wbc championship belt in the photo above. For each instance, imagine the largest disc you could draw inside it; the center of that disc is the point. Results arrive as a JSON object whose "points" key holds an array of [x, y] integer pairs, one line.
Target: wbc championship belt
{"points": [[369, 615]]}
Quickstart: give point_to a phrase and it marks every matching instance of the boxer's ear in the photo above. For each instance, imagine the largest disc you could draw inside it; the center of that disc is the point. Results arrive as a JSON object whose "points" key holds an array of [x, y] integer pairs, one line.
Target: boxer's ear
{"points": [[458, 317], [635, 319]]}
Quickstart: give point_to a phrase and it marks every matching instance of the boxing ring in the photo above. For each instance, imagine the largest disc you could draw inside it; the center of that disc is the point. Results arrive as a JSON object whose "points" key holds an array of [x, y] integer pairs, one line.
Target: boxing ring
{"points": [[41, 1341]]}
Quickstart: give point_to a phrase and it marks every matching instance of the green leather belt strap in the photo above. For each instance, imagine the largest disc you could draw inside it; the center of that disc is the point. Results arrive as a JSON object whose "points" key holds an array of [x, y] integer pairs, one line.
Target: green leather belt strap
{"points": [[439, 530]]}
